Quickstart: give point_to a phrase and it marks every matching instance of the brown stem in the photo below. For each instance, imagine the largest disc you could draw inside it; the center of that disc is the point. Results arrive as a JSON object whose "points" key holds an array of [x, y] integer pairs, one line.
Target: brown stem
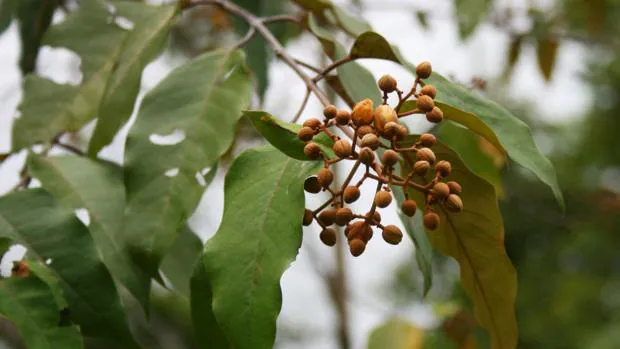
{"points": [[329, 68], [280, 18], [302, 107]]}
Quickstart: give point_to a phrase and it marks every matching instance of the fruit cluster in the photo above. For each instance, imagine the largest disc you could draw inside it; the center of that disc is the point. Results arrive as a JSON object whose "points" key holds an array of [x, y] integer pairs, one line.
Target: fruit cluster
{"points": [[378, 130]]}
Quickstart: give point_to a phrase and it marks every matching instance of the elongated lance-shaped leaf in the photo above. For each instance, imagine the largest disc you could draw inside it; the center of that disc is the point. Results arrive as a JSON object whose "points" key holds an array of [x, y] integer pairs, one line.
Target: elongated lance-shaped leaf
{"points": [[487, 118], [469, 13], [475, 238], [178, 263], [52, 232], [207, 332], [34, 17], [97, 186], [199, 103], [29, 303], [259, 237], [141, 45]]}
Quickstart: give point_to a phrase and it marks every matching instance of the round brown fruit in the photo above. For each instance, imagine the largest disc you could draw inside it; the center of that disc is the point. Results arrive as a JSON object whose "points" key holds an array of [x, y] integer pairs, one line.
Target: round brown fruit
{"points": [[428, 140], [343, 117], [401, 132], [342, 148], [384, 114], [441, 189], [325, 177], [424, 70], [362, 112], [330, 111], [351, 194], [365, 130], [391, 130], [426, 154], [357, 247], [409, 207], [366, 156], [431, 220], [311, 185], [376, 217], [387, 84], [383, 199], [390, 158], [429, 90], [425, 103], [313, 123], [305, 134], [359, 230], [327, 217], [343, 216], [312, 150], [444, 168], [308, 217], [421, 167], [328, 236], [454, 203], [392, 235], [435, 115], [370, 140], [455, 188]]}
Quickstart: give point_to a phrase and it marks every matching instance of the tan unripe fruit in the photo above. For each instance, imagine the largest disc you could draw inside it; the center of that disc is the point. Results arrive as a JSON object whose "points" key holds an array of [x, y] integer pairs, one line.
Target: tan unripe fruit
{"points": [[441, 189], [330, 111], [327, 217], [391, 129], [365, 130], [308, 217], [384, 114], [362, 112], [444, 168], [428, 140], [455, 188], [454, 203], [325, 177], [343, 117], [424, 70], [351, 194], [328, 236], [421, 167], [370, 140], [431, 220], [392, 235], [367, 156], [342, 148], [426, 154], [312, 150], [401, 132], [313, 123], [425, 103], [435, 115], [305, 134], [383, 199], [343, 216], [429, 90], [311, 185], [387, 84], [390, 158], [409, 207], [357, 247]]}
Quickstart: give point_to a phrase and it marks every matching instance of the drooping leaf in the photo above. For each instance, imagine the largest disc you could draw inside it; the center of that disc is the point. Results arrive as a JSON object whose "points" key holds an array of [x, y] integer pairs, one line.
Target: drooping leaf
{"points": [[97, 186], [313, 5], [283, 135], [29, 304], [7, 8], [469, 14], [487, 118], [259, 237], [422, 17], [475, 238], [351, 24], [53, 233], [396, 334], [514, 51], [178, 263], [46, 275], [205, 96], [546, 54], [34, 17], [139, 46]]}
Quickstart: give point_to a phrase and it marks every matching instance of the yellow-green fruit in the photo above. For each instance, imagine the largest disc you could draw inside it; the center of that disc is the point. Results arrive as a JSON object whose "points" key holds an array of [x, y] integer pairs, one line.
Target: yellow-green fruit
{"points": [[351, 194], [312, 150], [427, 140], [435, 115], [305, 134], [444, 168], [313, 123], [426, 154], [421, 167], [308, 217], [431, 220], [392, 235], [384, 114], [325, 177], [343, 117], [311, 185], [362, 112], [424, 70], [328, 236], [357, 247], [330, 111], [409, 207], [327, 217], [391, 129], [387, 84], [454, 203], [383, 199], [429, 90], [343, 216], [342, 148], [390, 158], [367, 156], [365, 130], [425, 103], [455, 188], [370, 140], [441, 189]]}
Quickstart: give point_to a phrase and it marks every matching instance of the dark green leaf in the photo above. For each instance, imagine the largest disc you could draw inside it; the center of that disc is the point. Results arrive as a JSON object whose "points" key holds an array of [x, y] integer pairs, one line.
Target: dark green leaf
{"points": [[475, 238], [34, 17], [283, 135], [514, 51], [422, 18], [52, 232], [42, 272], [206, 97], [396, 334], [546, 53], [178, 263], [313, 5], [259, 237], [469, 14], [140, 46], [7, 7], [97, 186], [29, 303]]}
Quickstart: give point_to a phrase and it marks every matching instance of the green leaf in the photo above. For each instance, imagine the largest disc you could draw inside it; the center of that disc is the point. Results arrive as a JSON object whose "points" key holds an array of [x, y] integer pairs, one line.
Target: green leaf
{"points": [[34, 17], [313, 5], [42, 272], [178, 263], [283, 135], [97, 186], [49, 231], [139, 47], [514, 51], [469, 14], [475, 238], [351, 24], [396, 334], [206, 96], [482, 116], [7, 8], [546, 54], [30, 305], [258, 238]]}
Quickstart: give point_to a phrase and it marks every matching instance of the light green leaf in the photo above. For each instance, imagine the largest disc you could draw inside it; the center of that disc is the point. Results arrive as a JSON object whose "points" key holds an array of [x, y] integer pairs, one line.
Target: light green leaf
{"points": [[283, 135], [30, 305], [396, 334], [178, 263], [205, 96], [97, 186], [34, 17], [52, 232], [479, 114], [259, 237], [469, 14], [475, 238], [351, 24], [139, 47]]}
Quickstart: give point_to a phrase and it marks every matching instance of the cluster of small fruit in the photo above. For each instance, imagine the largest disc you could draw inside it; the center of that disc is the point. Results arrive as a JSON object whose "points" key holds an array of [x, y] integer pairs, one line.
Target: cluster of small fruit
{"points": [[378, 130]]}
